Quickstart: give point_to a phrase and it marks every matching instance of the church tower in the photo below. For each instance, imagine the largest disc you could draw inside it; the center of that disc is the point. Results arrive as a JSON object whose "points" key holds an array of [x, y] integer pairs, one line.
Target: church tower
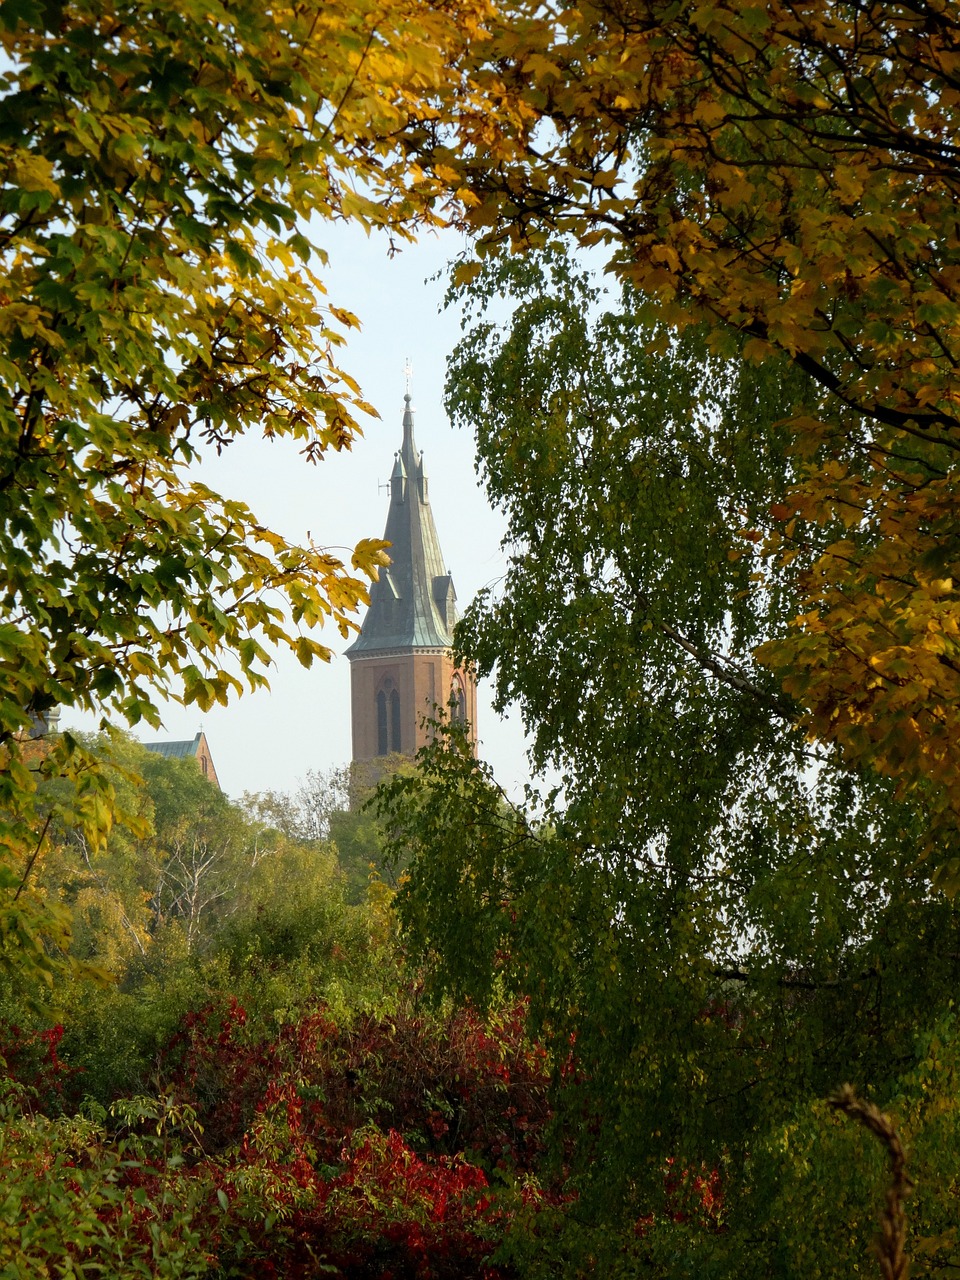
{"points": [[401, 665]]}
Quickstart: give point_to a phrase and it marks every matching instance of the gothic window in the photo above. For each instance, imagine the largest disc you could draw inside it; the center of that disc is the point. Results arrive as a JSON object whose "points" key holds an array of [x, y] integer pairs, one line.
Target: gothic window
{"points": [[389, 737], [395, 721], [458, 702], [383, 745]]}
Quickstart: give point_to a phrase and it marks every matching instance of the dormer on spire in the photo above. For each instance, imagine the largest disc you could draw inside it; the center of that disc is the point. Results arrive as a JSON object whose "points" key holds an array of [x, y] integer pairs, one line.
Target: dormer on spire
{"points": [[398, 481]]}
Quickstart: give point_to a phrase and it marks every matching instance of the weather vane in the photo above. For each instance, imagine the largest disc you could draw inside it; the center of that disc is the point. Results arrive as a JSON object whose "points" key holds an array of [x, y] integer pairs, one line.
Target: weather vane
{"points": [[407, 373]]}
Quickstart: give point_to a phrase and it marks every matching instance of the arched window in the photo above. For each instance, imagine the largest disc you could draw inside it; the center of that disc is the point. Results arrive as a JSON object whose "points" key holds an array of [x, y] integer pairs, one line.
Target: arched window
{"points": [[458, 702], [389, 735]]}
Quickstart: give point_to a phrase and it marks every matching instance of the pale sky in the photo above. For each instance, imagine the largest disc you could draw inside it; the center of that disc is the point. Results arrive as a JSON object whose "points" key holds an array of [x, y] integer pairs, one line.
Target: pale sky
{"points": [[269, 740]]}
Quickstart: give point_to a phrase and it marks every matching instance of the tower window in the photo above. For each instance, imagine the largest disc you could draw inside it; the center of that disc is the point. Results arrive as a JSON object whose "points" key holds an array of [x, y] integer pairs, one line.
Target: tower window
{"points": [[458, 702], [389, 734]]}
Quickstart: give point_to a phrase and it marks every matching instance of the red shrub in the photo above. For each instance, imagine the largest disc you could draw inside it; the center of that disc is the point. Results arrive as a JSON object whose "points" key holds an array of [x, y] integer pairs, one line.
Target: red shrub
{"points": [[31, 1060]]}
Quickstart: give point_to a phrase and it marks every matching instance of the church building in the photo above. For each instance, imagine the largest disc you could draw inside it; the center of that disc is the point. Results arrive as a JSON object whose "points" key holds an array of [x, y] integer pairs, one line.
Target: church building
{"points": [[401, 664], [189, 749]]}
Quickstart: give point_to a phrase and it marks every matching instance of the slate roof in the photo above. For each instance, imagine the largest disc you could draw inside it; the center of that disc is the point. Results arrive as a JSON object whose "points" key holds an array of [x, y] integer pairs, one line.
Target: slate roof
{"points": [[185, 750], [412, 605]]}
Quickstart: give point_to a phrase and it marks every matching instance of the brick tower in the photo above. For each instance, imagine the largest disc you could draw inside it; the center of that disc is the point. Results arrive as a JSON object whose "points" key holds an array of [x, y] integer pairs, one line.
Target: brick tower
{"points": [[401, 665]]}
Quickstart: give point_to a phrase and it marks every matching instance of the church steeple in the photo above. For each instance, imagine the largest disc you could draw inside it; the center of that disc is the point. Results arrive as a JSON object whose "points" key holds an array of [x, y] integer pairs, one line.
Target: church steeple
{"points": [[413, 603], [401, 666]]}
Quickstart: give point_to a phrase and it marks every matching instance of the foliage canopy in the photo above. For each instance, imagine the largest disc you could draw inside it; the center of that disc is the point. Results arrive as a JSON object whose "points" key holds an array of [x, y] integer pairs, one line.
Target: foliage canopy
{"points": [[731, 618], [784, 176], [165, 169], [716, 921]]}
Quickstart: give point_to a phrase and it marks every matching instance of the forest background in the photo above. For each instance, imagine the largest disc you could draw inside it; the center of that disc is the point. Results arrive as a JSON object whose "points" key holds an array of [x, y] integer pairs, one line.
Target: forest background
{"points": [[607, 1035]]}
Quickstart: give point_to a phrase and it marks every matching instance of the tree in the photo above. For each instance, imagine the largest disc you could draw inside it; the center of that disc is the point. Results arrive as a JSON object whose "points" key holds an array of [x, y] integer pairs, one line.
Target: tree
{"points": [[336, 807], [716, 922], [165, 170], [784, 176], [306, 812], [179, 864]]}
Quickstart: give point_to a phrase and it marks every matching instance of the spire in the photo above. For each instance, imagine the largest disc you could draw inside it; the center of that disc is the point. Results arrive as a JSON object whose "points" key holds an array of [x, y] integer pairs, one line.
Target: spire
{"points": [[412, 605], [408, 424]]}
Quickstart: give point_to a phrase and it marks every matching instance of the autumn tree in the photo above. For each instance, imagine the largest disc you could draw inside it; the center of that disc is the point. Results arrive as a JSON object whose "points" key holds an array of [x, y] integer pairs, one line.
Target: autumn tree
{"points": [[750, 691], [784, 177], [166, 170], [181, 861], [716, 921], [334, 807]]}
